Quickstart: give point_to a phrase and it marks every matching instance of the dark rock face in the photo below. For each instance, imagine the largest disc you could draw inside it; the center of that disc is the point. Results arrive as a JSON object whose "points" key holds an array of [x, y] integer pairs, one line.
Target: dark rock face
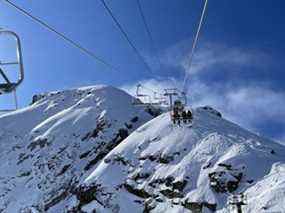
{"points": [[197, 207], [180, 185], [59, 195], [226, 180], [171, 193], [138, 192], [212, 111], [86, 194], [104, 149], [163, 159], [99, 128], [36, 98], [153, 111], [40, 143], [135, 119], [149, 205]]}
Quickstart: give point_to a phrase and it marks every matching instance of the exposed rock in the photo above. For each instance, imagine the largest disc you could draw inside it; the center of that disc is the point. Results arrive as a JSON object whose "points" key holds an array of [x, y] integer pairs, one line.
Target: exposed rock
{"points": [[179, 185], [165, 159], [197, 207], [135, 119], [224, 181], [149, 205], [138, 192], [227, 166], [64, 169], [171, 193], [103, 150], [41, 143], [99, 127]]}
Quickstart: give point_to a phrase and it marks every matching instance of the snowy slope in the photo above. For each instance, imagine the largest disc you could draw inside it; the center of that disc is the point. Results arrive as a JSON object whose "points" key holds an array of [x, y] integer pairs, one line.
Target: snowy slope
{"points": [[268, 194], [47, 148], [90, 149], [165, 168]]}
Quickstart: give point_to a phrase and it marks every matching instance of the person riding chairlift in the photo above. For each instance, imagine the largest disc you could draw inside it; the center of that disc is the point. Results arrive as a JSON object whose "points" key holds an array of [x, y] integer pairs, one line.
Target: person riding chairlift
{"points": [[176, 117], [184, 116], [189, 115], [177, 111]]}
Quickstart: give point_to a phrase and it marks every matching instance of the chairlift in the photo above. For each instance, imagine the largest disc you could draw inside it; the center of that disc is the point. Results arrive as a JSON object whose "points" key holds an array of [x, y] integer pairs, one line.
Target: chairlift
{"points": [[9, 86], [141, 99], [175, 96], [238, 201]]}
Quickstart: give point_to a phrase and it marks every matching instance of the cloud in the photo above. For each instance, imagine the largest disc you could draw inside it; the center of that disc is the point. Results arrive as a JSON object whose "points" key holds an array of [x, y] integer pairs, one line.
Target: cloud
{"points": [[247, 106], [210, 55], [253, 105], [150, 86]]}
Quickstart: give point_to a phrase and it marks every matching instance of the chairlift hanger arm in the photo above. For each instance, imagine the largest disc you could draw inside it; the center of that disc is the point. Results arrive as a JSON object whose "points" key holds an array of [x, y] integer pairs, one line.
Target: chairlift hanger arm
{"points": [[4, 76], [19, 57]]}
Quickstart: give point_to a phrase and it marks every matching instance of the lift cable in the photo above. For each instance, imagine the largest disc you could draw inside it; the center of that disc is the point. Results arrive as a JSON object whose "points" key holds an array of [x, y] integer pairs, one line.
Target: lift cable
{"points": [[150, 89], [148, 32], [186, 77], [110, 12], [61, 35]]}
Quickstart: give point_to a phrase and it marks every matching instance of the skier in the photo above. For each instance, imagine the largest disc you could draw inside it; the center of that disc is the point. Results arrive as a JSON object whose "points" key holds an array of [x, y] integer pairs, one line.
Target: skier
{"points": [[175, 116], [184, 116], [178, 119], [189, 116]]}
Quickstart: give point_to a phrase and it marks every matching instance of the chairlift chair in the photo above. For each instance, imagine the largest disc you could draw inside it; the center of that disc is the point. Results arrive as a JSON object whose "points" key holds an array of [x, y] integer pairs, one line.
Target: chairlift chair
{"points": [[9, 86], [141, 99], [237, 199], [174, 94]]}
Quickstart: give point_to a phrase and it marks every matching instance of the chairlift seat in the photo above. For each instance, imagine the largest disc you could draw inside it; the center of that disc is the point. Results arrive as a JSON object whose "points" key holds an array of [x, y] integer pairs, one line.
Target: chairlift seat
{"points": [[7, 88]]}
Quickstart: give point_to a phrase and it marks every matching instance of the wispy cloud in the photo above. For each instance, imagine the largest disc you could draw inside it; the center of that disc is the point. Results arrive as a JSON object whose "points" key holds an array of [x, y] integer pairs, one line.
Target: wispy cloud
{"points": [[249, 105], [210, 55]]}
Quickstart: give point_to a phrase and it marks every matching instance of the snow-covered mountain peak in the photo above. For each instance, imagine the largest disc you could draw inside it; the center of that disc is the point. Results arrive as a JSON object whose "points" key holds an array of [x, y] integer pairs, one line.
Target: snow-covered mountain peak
{"points": [[90, 148], [57, 140], [168, 168]]}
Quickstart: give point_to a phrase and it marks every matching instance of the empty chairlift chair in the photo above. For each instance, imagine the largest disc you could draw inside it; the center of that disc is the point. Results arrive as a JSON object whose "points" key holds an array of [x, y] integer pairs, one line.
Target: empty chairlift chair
{"points": [[141, 99], [7, 85]]}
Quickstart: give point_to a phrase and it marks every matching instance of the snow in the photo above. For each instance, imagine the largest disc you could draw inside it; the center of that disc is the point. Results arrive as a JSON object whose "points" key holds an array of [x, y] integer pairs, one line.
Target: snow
{"points": [[45, 139], [66, 151], [210, 139], [268, 194]]}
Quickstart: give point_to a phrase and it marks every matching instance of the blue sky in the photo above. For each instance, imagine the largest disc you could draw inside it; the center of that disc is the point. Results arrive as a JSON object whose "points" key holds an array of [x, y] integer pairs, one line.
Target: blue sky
{"points": [[238, 67]]}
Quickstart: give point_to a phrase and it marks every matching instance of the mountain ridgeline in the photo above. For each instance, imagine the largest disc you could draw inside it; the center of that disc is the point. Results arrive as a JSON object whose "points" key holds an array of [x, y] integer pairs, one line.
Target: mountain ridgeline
{"points": [[91, 150]]}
